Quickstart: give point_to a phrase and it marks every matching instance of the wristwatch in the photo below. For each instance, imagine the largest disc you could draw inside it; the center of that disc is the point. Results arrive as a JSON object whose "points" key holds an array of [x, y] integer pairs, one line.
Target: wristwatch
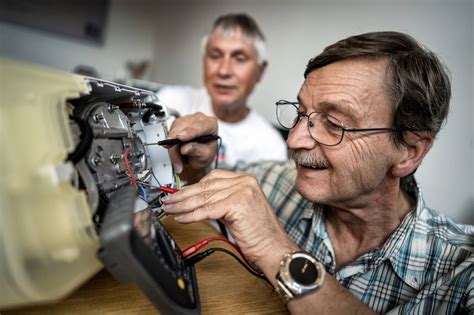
{"points": [[299, 274]]}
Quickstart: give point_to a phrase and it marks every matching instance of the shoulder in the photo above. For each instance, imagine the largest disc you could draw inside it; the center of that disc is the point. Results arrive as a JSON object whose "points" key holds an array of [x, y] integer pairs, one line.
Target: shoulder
{"points": [[435, 263], [442, 228], [437, 228], [185, 99], [447, 245]]}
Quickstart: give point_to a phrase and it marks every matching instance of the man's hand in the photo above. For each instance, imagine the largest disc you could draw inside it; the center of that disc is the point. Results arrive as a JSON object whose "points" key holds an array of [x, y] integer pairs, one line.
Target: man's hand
{"points": [[192, 159], [239, 202]]}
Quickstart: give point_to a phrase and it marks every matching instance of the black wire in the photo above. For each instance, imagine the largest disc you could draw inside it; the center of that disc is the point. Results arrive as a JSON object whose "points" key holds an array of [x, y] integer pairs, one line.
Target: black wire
{"points": [[154, 106], [85, 142], [219, 144], [223, 229], [190, 261], [221, 225], [156, 200], [147, 115], [223, 250]]}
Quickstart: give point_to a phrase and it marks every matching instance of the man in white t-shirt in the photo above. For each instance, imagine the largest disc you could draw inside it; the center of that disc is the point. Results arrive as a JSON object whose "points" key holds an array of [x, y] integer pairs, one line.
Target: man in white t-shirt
{"points": [[234, 62]]}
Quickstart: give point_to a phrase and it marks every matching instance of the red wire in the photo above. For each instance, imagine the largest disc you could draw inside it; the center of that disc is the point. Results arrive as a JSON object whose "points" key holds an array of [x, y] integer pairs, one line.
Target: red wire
{"points": [[168, 189], [133, 180], [196, 247]]}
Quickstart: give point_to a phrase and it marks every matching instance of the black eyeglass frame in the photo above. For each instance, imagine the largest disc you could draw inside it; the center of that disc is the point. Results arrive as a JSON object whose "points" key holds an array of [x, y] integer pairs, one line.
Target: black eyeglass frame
{"points": [[344, 129]]}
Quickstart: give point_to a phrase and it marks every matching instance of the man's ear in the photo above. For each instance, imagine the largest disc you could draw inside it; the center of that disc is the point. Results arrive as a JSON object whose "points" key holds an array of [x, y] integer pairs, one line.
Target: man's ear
{"points": [[416, 146], [261, 70]]}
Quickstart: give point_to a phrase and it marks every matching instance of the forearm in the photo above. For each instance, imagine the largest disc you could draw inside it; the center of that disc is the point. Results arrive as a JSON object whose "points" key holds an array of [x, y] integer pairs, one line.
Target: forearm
{"points": [[331, 298]]}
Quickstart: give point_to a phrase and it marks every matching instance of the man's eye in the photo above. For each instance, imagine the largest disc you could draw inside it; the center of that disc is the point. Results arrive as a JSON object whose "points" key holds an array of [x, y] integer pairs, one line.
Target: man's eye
{"points": [[331, 122], [241, 58], [213, 55]]}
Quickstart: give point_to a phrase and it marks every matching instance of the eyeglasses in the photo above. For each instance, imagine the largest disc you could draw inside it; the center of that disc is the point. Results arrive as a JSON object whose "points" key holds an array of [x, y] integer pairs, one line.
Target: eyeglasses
{"points": [[324, 128]]}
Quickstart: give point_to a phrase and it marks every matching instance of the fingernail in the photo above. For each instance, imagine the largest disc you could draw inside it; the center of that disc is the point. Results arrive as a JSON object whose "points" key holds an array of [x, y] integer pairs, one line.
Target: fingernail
{"points": [[167, 207], [190, 149], [165, 198], [178, 218], [181, 133], [178, 168]]}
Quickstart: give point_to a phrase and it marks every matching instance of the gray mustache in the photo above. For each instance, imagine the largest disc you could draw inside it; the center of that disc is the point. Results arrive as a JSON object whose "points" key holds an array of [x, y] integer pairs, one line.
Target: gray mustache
{"points": [[305, 158]]}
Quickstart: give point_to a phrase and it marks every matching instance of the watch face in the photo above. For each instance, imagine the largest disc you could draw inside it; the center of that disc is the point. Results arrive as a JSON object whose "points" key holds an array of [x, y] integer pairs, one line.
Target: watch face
{"points": [[300, 273], [303, 271]]}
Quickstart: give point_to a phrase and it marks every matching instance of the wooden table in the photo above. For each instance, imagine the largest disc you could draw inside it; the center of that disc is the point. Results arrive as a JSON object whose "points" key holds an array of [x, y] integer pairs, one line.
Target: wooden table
{"points": [[225, 287]]}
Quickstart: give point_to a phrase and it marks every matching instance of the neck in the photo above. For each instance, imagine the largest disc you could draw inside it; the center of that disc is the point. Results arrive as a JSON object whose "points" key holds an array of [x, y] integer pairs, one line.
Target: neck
{"points": [[231, 114], [357, 230]]}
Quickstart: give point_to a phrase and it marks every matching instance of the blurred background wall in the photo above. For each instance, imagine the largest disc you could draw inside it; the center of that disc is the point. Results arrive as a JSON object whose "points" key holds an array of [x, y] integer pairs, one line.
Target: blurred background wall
{"points": [[167, 35]]}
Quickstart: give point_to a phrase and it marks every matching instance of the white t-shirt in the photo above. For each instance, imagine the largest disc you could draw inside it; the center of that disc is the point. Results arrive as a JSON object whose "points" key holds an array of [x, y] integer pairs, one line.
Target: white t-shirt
{"points": [[249, 140]]}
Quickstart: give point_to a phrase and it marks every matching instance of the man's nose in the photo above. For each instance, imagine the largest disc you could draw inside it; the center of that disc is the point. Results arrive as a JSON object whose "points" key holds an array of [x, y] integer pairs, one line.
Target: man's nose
{"points": [[300, 138], [225, 67]]}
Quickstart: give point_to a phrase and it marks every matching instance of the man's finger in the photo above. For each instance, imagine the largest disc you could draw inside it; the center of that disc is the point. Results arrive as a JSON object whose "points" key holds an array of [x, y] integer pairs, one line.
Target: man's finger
{"points": [[176, 158], [189, 127], [201, 200], [212, 211], [220, 173], [206, 188]]}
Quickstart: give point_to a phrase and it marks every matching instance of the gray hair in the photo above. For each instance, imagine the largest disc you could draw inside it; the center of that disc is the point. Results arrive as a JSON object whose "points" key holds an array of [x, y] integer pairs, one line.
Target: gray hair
{"points": [[251, 32]]}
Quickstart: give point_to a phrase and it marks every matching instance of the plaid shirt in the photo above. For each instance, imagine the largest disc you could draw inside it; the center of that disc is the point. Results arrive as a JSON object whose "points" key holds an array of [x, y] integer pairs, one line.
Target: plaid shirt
{"points": [[426, 266]]}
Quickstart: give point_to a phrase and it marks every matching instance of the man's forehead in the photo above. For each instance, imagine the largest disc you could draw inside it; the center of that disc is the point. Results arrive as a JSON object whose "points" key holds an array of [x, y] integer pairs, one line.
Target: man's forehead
{"points": [[354, 67], [360, 76]]}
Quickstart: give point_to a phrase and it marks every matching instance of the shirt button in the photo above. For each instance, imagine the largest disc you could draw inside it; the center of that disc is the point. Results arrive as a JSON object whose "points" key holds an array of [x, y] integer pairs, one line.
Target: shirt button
{"points": [[327, 259]]}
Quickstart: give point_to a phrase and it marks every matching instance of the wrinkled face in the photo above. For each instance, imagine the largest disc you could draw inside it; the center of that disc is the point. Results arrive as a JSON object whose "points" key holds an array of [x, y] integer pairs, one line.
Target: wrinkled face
{"points": [[231, 69], [356, 170]]}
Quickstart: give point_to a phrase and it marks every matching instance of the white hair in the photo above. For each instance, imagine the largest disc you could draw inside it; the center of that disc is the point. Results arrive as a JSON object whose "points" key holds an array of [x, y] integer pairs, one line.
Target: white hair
{"points": [[257, 41]]}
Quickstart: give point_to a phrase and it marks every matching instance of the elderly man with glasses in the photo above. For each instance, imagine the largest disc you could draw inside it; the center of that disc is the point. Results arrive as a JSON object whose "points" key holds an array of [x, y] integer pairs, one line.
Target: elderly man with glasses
{"points": [[344, 228]]}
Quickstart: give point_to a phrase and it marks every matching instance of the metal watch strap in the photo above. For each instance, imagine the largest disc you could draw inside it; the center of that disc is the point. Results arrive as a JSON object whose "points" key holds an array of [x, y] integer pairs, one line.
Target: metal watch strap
{"points": [[283, 292]]}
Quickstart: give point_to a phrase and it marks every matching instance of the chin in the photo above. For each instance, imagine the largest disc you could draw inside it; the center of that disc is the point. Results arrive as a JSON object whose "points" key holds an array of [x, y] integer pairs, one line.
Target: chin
{"points": [[307, 190], [222, 100], [313, 192], [224, 103]]}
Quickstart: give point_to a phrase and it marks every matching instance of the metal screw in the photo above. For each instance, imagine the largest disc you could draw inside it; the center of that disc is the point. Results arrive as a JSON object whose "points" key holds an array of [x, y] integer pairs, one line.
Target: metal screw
{"points": [[111, 108], [97, 160], [115, 157], [98, 117]]}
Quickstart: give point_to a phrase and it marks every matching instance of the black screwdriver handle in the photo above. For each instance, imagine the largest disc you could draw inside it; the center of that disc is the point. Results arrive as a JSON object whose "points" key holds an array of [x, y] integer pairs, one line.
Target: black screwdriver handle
{"points": [[201, 139]]}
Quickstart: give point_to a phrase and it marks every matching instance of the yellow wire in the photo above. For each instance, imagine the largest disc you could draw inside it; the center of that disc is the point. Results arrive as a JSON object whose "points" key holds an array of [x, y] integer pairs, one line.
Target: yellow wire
{"points": [[161, 215], [177, 181]]}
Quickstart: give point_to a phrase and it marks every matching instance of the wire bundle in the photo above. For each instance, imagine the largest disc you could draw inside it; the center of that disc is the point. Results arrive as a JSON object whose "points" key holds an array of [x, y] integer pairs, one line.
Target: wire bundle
{"points": [[191, 260]]}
